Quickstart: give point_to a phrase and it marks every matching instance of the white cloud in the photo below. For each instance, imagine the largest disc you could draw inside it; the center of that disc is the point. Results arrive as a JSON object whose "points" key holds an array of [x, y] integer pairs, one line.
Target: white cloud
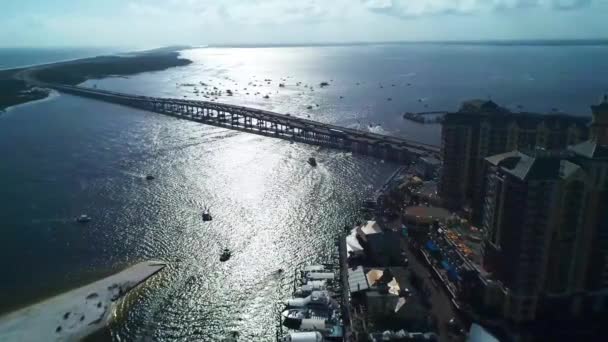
{"points": [[145, 23], [251, 11], [416, 8]]}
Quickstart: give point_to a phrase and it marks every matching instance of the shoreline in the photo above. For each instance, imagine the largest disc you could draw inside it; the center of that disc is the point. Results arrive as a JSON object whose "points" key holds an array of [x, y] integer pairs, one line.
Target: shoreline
{"points": [[19, 84], [50, 95], [79, 312]]}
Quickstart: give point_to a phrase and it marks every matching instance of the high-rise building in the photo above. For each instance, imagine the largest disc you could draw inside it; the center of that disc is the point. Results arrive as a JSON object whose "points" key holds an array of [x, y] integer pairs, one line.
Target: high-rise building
{"points": [[481, 129], [545, 221]]}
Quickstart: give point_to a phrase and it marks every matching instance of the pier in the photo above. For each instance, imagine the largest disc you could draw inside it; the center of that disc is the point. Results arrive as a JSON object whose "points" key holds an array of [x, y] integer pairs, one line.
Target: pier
{"points": [[266, 123]]}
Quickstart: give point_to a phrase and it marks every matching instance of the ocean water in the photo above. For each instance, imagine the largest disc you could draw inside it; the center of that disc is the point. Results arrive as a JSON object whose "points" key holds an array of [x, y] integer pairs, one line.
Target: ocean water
{"points": [[19, 57], [67, 156]]}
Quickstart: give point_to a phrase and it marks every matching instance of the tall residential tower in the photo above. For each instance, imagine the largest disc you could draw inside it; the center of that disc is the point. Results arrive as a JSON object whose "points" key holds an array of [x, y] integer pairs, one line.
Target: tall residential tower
{"points": [[481, 129], [545, 221]]}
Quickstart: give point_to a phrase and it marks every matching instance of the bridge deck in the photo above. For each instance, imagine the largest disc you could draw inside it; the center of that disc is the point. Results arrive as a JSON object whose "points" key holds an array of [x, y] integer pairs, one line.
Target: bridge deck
{"points": [[258, 121]]}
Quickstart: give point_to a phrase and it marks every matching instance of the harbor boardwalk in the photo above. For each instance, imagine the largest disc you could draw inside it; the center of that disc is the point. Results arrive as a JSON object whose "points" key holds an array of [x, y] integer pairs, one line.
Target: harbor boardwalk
{"points": [[266, 123]]}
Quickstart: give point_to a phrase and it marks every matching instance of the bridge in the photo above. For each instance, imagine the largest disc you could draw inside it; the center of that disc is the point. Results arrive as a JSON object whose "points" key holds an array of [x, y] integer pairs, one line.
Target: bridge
{"points": [[265, 123]]}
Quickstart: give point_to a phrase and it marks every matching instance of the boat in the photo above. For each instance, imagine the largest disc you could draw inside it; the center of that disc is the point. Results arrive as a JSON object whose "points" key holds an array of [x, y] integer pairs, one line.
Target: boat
{"points": [[305, 336], [83, 218], [312, 161], [294, 315], [207, 215], [226, 254], [313, 314], [316, 299], [149, 177]]}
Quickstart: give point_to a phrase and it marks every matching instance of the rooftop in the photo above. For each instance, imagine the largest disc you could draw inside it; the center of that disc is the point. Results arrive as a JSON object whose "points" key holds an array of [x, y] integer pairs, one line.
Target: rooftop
{"points": [[370, 228], [603, 106], [590, 149], [431, 160], [357, 280], [427, 189], [427, 213], [471, 111], [529, 166]]}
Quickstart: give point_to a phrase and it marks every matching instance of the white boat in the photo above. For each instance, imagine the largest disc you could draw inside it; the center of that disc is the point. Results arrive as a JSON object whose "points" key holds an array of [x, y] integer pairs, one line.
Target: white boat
{"points": [[307, 336], [306, 319], [320, 276], [309, 287], [315, 299], [83, 218], [314, 268], [207, 214]]}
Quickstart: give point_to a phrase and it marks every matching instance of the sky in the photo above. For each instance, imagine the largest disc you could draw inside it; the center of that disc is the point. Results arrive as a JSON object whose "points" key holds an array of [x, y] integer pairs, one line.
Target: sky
{"points": [[151, 23]]}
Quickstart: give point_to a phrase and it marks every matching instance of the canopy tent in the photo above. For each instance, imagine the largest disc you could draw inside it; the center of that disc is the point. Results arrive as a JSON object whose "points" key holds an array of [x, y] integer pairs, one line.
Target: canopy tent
{"points": [[357, 281], [431, 246]]}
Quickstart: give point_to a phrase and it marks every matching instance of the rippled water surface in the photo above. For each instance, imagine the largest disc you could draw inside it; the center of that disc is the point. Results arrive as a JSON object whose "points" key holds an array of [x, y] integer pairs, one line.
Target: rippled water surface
{"points": [[68, 155]]}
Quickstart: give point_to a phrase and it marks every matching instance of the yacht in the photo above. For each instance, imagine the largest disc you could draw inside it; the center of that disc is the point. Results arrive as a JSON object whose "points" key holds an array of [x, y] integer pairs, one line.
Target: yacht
{"points": [[307, 336]]}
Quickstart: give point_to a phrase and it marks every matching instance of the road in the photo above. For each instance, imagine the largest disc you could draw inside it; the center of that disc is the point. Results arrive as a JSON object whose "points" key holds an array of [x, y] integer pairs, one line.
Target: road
{"points": [[441, 305]]}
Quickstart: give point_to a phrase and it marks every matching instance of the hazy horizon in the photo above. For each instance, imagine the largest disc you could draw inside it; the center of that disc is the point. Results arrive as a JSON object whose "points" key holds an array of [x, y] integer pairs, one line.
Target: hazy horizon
{"points": [[138, 23], [497, 42]]}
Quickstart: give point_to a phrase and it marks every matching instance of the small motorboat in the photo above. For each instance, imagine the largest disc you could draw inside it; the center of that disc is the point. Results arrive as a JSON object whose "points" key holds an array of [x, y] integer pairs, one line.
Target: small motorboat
{"points": [[207, 215], [149, 177], [312, 161], [83, 218], [226, 254]]}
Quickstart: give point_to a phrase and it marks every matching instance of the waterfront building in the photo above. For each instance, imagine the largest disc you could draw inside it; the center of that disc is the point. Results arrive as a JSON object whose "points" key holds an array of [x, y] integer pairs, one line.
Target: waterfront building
{"points": [[380, 245], [426, 167], [421, 218], [483, 128], [545, 221]]}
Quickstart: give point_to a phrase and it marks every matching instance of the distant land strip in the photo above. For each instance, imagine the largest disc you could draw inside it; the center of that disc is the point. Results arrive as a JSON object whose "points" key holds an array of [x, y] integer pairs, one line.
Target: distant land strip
{"points": [[493, 42], [17, 90]]}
